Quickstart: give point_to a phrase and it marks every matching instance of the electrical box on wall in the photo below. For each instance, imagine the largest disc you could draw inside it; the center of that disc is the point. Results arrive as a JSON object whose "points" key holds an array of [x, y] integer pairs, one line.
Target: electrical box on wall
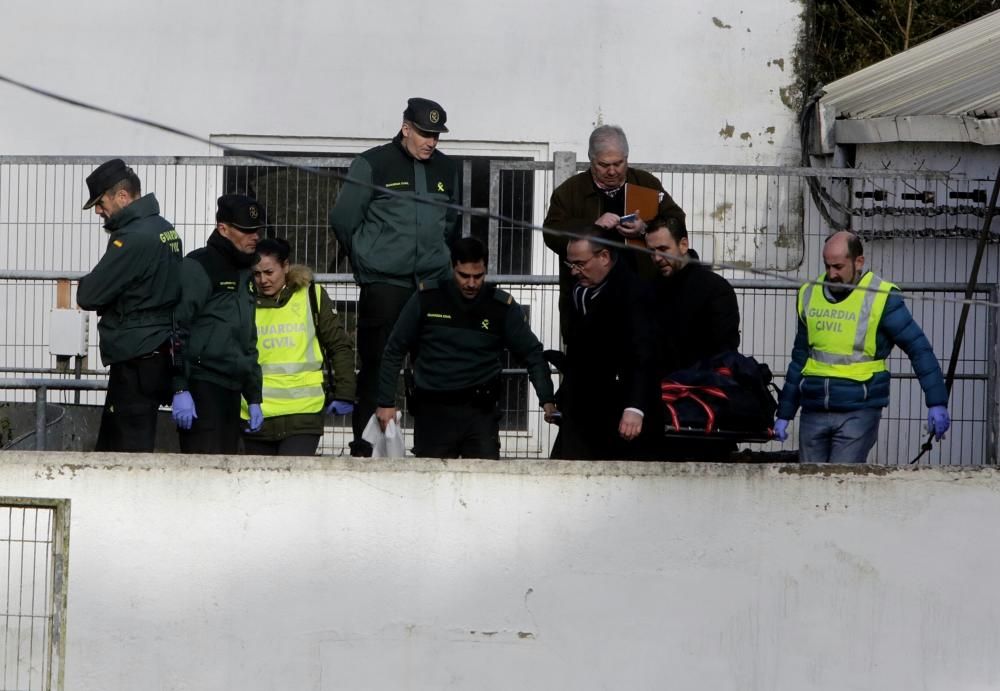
{"points": [[69, 332]]}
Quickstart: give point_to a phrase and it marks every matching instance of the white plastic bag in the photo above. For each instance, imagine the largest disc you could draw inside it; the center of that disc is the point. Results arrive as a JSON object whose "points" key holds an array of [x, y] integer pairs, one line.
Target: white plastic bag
{"points": [[388, 444]]}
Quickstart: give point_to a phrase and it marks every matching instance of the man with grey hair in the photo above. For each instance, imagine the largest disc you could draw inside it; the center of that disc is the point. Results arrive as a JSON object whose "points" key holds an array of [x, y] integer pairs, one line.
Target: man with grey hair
{"points": [[597, 197]]}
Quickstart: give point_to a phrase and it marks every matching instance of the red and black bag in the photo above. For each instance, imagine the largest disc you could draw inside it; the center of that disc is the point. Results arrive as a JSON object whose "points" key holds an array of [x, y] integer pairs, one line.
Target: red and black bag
{"points": [[730, 395]]}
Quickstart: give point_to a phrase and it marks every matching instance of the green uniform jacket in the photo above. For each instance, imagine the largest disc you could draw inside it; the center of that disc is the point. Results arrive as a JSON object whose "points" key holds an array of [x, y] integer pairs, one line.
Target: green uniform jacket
{"points": [[576, 204], [332, 338], [457, 343], [215, 320], [136, 284], [393, 238]]}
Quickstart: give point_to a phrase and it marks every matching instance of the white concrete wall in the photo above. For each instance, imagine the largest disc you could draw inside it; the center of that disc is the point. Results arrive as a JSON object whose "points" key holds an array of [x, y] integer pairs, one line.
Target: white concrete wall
{"points": [[211, 573], [690, 83]]}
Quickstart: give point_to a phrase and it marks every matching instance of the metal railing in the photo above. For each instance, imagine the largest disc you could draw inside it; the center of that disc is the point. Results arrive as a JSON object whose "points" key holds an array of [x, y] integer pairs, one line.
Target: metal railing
{"points": [[973, 440], [34, 542], [41, 387], [765, 225]]}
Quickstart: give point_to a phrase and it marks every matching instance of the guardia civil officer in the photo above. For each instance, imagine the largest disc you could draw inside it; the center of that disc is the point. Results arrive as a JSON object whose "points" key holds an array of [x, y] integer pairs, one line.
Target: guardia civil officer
{"points": [[394, 241], [849, 322], [134, 289], [456, 330], [217, 339]]}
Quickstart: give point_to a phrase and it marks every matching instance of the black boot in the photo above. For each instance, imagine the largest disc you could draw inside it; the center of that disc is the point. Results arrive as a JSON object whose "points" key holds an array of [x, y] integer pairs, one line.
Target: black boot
{"points": [[360, 448]]}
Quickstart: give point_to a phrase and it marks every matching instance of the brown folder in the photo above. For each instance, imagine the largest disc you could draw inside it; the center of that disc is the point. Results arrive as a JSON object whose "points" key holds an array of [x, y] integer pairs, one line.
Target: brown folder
{"points": [[644, 199]]}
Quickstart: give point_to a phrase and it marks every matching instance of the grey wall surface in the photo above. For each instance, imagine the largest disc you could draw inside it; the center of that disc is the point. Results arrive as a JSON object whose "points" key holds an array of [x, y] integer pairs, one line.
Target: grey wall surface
{"points": [[261, 574]]}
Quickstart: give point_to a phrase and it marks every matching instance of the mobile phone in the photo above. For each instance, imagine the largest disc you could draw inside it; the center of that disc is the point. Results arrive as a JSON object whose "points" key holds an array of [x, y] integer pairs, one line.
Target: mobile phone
{"points": [[628, 219]]}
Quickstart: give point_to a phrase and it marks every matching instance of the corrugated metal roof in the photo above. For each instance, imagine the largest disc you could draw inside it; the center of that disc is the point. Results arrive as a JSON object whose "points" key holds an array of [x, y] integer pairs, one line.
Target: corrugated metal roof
{"points": [[956, 73], [946, 85]]}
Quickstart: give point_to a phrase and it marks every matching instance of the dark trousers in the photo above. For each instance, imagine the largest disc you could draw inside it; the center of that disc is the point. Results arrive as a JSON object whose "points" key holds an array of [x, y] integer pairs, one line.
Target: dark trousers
{"points": [[136, 389], [217, 429], [591, 413], [294, 445], [379, 306], [456, 430]]}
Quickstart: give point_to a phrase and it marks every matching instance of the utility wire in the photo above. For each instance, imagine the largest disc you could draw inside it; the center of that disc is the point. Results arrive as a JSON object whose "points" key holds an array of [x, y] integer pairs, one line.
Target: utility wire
{"points": [[517, 223]]}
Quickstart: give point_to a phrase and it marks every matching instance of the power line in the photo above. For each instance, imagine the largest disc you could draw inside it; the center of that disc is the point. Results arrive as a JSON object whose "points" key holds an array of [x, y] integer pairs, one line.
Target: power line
{"points": [[514, 222]]}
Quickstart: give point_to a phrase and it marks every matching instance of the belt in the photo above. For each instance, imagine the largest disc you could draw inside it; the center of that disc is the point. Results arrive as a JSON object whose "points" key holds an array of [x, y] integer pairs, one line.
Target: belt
{"points": [[164, 349], [481, 394]]}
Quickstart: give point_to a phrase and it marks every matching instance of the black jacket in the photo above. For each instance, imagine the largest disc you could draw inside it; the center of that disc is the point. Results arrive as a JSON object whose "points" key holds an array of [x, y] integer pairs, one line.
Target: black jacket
{"points": [[456, 343], [577, 203], [136, 284], [391, 237], [215, 320], [609, 366], [697, 316]]}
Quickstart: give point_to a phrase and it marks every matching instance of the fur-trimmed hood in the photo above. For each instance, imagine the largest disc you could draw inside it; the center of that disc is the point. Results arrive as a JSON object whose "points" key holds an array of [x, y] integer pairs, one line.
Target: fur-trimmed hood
{"points": [[297, 277]]}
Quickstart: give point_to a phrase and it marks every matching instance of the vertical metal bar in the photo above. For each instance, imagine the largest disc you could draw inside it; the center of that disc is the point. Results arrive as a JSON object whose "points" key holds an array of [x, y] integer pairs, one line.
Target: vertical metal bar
{"points": [[20, 602], [60, 570], [34, 587], [40, 422], [493, 231], [466, 196], [6, 608], [563, 167], [992, 426]]}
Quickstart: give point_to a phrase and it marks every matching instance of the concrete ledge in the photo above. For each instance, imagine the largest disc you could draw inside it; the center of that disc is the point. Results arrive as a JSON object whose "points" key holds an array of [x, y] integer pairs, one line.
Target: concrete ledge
{"points": [[337, 573], [73, 462]]}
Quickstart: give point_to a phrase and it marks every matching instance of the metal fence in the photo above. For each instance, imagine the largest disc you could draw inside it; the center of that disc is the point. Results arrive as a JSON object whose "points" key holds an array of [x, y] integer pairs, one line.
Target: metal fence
{"points": [[34, 540], [764, 225]]}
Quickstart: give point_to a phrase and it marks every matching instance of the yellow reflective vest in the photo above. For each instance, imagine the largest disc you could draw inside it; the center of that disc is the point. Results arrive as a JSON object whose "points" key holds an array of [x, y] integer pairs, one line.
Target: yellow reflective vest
{"points": [[842, 334], [290, 357]]}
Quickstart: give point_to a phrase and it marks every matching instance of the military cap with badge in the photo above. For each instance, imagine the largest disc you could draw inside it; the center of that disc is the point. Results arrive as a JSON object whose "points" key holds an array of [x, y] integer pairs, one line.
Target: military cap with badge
{"points": [[426, 115], [241, 212]]}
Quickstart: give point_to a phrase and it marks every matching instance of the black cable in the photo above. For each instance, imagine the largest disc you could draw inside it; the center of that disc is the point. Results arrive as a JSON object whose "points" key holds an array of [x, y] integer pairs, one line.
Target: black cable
{"points": [[517, 223], [27, 435]]}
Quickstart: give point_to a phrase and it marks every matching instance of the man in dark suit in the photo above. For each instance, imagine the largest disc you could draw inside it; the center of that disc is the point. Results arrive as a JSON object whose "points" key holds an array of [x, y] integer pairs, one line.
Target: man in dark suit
{"points": [[609, 382]]}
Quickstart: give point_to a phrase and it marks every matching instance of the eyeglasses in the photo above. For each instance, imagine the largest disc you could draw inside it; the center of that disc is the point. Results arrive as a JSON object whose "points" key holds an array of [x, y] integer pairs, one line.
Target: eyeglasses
{"points": [[579, 265]]}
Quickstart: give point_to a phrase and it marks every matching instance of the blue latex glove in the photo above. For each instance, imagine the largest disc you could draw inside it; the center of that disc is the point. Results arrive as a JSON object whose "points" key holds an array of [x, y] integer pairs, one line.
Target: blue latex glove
{"points": [[256, 417], [938, 421], [781, 429], [340, 408], [183, 410]]}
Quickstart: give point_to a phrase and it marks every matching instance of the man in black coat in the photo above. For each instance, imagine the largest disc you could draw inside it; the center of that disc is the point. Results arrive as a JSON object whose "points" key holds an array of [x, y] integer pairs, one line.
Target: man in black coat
{"points": [[134, 287], [696, 317], [609, 383]]}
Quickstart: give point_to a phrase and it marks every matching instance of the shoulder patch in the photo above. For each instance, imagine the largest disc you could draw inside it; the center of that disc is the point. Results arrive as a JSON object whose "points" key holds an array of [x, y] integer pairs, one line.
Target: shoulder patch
{"points": [[503, 296]]}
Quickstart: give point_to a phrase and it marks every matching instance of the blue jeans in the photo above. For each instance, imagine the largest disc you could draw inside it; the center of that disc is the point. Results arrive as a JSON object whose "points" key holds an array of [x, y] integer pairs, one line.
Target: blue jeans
{"points": [[832, 437]]}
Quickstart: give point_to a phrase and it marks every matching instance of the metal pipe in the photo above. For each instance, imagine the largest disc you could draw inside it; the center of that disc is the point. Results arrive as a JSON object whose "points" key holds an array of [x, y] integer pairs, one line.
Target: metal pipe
{"points": [[51, 370], [993, 369], [345, 162], [58, 384], [77, 370], [533, 280], [40, 417]]}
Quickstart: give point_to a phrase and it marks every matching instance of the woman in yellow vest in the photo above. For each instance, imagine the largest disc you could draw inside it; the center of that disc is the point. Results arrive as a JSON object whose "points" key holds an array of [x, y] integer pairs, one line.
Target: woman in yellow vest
{"points": [[292, 337]]}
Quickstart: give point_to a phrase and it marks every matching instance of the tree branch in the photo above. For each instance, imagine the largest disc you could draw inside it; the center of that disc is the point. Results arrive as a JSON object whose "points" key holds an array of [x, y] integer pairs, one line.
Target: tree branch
{"points": [[909, 24], [847, 6], [949, 22]]}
